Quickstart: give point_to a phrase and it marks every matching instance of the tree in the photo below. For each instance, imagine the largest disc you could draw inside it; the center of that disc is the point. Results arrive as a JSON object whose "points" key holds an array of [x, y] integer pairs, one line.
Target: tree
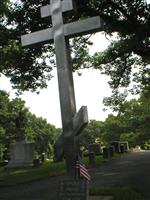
{"points": [[42, 134], [129, 19], [113, 128], [10, 112], [2, 143], [92, 133], [29, 68], [18, 123], [126, 59], [134, 119]]}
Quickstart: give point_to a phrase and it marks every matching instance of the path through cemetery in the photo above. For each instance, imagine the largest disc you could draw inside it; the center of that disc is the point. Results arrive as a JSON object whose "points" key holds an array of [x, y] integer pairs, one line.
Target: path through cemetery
{"points": [[130, 170]]}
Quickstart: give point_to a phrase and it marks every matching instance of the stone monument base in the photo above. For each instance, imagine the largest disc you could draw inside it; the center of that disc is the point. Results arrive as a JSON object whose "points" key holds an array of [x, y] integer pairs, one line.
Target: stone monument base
{"points": [[21, 154], [74, 190]]}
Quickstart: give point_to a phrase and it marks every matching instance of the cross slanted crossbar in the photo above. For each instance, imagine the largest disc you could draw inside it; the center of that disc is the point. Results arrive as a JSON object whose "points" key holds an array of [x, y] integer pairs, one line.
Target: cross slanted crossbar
{"points": [[72, 122]]}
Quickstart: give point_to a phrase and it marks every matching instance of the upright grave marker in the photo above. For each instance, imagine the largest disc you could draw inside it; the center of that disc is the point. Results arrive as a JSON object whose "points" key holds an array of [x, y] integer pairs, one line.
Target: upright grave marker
{"points": [[72, 122]]}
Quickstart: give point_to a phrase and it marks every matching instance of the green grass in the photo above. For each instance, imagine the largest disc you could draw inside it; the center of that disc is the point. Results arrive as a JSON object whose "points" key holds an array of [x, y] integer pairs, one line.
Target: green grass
{"points": [[117, 193], [14, 176], [21, 175]]}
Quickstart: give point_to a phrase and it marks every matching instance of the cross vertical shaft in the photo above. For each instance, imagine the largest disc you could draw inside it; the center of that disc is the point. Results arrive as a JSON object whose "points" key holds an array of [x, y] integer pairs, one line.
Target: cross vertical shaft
{"points": [[65, 81], [64, 68], [72, 123]]}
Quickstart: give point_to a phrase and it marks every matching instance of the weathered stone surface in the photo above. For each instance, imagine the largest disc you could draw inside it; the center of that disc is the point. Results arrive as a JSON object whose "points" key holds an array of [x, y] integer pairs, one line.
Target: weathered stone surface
{"points": [[21, 154], [94, 148], [106, 152], [100, 198], [111, 151], [126, 145], [66, 6], [71, 30], [72, 122], [92, 158], [74, 190], [116, 145]]}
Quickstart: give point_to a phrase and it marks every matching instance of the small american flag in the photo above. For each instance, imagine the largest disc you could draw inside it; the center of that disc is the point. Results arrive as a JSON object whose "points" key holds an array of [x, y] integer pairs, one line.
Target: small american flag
{"points": [[83, 172]]}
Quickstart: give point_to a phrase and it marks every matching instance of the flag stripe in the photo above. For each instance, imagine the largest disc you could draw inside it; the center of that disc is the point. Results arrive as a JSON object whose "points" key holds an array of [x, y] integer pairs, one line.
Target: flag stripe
{"points": [[83, 171], [85, 175]]}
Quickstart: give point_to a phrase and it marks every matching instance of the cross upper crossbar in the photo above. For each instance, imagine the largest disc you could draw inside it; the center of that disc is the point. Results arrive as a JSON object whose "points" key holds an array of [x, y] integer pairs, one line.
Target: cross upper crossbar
{"points": [[66, 6], [71, 30]]}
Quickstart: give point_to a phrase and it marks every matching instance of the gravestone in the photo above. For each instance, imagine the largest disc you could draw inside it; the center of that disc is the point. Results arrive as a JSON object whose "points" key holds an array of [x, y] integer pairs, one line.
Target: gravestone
{"points": [[106, 152], [21, 154], [126, 145], [111, 151], [73, 190], [91, 158], [94, 148], [116, 145], [122, 148]]}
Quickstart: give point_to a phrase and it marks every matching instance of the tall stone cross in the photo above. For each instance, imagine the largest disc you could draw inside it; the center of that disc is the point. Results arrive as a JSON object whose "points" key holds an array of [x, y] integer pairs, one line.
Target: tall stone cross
{"points": [[72, 122]]}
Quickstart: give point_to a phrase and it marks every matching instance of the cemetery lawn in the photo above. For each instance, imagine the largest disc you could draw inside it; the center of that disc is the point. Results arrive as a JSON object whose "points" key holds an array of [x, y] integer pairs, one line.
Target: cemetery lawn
{"points": [[10, 177], [21, 175], [123, 193]]}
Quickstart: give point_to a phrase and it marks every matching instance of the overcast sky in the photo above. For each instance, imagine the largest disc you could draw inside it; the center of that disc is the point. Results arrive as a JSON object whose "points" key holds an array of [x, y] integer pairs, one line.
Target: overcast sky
{"points": [[90, 88]]}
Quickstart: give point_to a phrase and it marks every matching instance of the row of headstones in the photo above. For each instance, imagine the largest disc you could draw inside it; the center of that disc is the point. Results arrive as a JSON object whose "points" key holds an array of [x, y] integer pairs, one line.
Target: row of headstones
{"points": [[115, 147], [106, 152]]}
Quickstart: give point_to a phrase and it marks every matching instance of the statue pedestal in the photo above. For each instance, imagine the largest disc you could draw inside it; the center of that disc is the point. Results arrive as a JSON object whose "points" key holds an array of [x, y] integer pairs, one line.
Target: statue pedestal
{"points": [[21, 154]]}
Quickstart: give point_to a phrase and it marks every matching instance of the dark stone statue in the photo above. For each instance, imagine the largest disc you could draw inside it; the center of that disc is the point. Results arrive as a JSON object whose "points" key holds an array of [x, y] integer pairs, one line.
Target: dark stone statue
{"points": [[20, 126]]}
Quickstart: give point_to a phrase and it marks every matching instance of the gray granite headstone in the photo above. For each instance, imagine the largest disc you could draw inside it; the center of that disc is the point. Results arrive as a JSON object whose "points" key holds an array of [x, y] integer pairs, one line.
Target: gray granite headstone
{"points": [[116, 145], [126, 145], [122, 148], [106, 152], [111, 150], [92, 161], [21, 154], [94, 148], [73, 190]]}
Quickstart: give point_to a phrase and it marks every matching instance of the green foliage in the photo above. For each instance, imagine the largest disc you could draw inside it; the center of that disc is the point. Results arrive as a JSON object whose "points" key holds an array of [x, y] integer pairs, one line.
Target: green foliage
{"points": [[129, 19], [147, 145], [113, 128], [47, 169], [30, 68], [15, 176], [130, 137], [91, 133], [17, 123], [131, 123], [43, 134], [126, 60], [2, 146]]}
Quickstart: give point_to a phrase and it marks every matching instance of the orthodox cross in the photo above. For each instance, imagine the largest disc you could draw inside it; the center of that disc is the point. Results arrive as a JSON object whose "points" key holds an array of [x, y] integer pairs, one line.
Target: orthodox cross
{"points": [[72, 122]]}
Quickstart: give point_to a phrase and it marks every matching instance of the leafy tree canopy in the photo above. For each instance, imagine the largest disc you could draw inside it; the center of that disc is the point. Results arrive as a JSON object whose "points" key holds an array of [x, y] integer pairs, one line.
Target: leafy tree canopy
{"points": [[18, 123], [125, 61]]}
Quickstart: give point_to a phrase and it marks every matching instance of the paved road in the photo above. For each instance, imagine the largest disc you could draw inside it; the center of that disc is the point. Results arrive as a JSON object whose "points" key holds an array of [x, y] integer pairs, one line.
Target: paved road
{"points": [[130, 170]]}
